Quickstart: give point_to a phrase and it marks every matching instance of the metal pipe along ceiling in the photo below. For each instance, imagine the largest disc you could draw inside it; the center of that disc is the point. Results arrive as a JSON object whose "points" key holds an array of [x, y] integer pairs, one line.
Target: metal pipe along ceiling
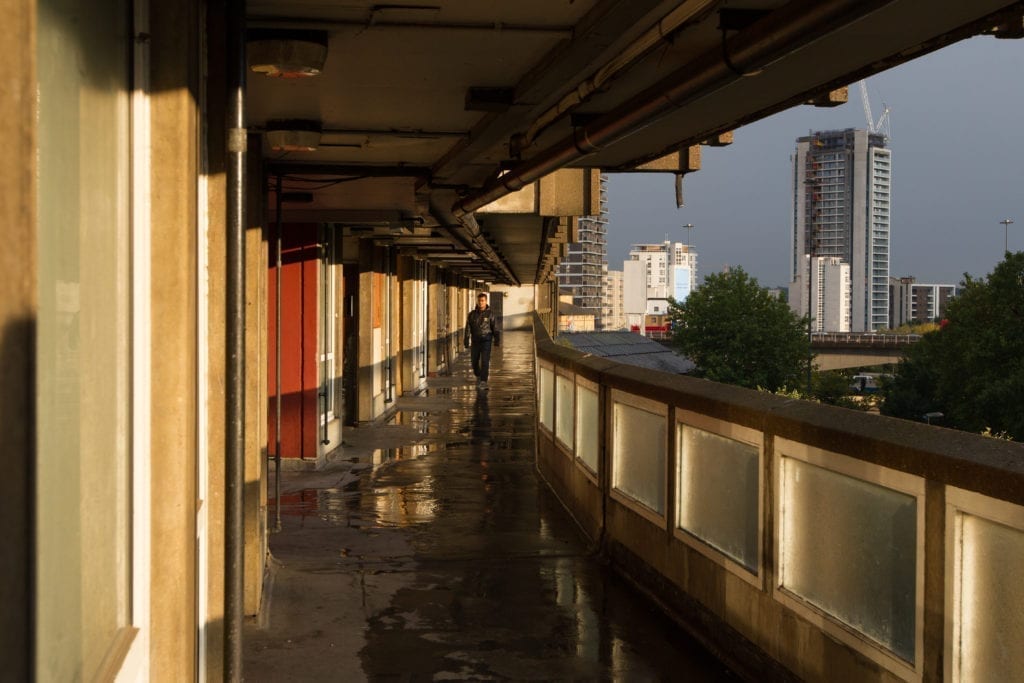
{"points": [[784, 31], [632, 53]]}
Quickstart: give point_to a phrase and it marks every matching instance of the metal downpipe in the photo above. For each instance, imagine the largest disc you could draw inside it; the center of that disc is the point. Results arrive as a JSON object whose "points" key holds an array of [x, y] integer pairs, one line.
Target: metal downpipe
{"points": [[784, 31], [234, 466]]}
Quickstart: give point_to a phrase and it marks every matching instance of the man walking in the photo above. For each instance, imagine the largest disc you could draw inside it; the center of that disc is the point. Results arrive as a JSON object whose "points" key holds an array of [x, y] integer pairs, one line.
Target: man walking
{"points": [[482, 328]]}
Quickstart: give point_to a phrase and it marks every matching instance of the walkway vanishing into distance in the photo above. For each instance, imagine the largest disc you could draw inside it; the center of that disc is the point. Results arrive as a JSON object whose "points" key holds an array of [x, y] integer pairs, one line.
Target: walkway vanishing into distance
{"points": [[431, 550]]}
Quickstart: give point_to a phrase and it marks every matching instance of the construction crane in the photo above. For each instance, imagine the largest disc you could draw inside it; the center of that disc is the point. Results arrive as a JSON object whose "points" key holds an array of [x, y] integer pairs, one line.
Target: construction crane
{"points": [[881, 126]]}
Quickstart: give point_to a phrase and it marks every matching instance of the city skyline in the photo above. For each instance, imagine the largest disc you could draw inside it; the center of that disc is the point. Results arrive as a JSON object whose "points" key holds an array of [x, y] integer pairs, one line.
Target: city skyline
{"points": [[958, 173]]}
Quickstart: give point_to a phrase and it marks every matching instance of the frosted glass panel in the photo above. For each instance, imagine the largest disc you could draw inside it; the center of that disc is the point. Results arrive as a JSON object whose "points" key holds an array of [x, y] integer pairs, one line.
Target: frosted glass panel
{"points": [[565, 409], [546, 397], [991, 606], [638, 458], [849, 547], [588, 427], [718, 496]]}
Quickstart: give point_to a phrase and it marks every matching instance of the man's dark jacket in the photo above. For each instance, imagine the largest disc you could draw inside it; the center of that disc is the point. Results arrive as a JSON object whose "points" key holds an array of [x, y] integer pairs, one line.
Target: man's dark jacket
{"points": [[482, 326]]}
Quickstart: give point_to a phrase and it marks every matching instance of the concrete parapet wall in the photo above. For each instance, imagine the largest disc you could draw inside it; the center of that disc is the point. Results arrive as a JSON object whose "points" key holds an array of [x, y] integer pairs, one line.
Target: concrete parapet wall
{"points": [[855, 537]]}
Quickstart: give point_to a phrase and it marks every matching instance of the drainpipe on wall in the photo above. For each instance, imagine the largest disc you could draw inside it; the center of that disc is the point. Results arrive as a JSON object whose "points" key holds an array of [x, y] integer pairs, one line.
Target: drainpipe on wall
{"points": [[234, 452]]}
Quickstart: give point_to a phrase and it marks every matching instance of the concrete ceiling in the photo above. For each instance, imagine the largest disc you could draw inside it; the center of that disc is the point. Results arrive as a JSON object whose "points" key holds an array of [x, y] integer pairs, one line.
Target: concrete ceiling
{"points": [[404, 143]]}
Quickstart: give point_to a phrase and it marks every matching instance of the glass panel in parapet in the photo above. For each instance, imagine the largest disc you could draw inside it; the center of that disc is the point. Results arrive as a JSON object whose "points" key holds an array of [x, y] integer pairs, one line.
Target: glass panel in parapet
{"points": [[849, 547], [718, 497]]}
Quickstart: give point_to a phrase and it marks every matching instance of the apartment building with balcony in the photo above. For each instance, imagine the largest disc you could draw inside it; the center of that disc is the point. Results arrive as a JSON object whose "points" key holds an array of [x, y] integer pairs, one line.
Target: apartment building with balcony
{"points": [[581, 272], [842, 194]]}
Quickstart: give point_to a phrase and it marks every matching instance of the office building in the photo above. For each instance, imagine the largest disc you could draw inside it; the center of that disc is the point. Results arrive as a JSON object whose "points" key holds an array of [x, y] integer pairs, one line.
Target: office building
{"points": [[841, 209], [581, 272]]}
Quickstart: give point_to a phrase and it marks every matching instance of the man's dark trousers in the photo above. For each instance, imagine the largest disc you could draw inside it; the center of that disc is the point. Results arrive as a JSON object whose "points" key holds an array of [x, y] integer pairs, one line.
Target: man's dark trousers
{"points": [[480, 353]]}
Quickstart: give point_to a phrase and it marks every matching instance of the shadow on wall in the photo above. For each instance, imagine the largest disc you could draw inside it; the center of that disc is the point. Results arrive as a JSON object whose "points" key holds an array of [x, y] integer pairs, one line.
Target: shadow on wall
{"points": [[17, 406]]}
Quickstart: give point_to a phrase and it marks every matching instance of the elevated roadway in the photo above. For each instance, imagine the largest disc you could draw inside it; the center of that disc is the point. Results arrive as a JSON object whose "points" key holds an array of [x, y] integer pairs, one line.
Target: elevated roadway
{"points": [[840, 350]]}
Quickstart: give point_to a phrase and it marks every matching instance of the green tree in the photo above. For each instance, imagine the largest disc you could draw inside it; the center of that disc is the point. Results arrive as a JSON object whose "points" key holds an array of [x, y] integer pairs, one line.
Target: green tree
{"points": [[736, 333], [972, 368]]}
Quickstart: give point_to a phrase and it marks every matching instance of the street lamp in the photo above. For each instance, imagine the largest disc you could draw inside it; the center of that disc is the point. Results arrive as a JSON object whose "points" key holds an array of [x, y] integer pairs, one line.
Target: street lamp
{"points": [[1007, 222], [689, 229]]}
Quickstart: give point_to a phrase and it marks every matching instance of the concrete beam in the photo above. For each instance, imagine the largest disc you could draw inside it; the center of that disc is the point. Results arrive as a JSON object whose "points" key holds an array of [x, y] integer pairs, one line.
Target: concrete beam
{"points": [[686, 160], [832, 98], [567, 192]]}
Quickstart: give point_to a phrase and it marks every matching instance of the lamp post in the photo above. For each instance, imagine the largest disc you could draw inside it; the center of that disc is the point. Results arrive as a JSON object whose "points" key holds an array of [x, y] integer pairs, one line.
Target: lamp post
{"points": [[689, 229], [1007, 222]]}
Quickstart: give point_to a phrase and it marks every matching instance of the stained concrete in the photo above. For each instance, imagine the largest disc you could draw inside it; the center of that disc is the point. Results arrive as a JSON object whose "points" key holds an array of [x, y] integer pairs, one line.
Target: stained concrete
{"points": [[429, 550]]}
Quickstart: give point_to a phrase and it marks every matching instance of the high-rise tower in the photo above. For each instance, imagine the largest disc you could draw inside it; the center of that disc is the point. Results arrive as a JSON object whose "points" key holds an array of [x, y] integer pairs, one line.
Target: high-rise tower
{"points": [[582, 271], [842, 182]]}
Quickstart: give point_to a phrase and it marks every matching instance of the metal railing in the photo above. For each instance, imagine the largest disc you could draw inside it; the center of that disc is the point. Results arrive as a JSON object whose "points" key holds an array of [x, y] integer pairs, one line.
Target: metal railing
{"points": [[863, 339]]}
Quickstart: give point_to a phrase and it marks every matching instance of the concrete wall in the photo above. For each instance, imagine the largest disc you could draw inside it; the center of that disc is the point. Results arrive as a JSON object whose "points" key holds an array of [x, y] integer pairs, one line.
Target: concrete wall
{"points": [[17, 332], [752, 619], [518, 306]]}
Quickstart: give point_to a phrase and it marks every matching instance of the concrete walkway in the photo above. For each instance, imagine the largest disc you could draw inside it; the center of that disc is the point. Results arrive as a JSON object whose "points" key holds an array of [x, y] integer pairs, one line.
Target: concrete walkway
{"points": [[431, 551]]}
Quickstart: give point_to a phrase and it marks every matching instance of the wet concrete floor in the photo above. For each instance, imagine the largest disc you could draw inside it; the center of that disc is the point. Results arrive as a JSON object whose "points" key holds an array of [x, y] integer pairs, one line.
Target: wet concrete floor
{"points": [[430, 550]]}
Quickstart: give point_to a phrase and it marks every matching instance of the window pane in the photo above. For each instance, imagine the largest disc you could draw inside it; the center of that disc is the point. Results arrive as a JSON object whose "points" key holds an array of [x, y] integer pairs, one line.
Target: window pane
{"points": [[638, 458], [587, 427], [565, 409], [546, 391], [991, 595], [850, 547], [718, 496], [83, 341]]}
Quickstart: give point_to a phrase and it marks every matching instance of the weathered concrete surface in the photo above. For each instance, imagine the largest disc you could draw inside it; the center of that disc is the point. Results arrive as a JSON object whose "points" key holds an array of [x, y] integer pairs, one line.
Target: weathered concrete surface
{"points": [[437, 554]]}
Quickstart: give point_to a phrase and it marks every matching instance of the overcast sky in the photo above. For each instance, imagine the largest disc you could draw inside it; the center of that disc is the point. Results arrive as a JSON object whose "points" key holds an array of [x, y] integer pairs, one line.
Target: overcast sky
{"points": [[958, 169]]}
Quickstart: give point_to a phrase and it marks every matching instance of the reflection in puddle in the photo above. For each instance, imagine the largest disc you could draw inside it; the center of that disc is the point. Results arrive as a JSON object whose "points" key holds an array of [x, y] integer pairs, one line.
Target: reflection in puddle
{"points": [[382, 455], [410, 500], [406, 505]]}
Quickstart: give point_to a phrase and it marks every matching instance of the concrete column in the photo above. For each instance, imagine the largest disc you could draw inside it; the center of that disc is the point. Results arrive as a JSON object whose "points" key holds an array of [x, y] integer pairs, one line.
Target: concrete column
{"points": [[216, 256], [17, 332], [256, 350], [174, 168], [364, 375], [256, 330], [406, 379], [395, 290], [434, 315], [458, 316]]}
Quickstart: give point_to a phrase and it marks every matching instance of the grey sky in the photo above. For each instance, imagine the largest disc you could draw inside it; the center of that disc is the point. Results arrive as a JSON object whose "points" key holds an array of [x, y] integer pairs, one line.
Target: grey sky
{"points": [[958, 169]]}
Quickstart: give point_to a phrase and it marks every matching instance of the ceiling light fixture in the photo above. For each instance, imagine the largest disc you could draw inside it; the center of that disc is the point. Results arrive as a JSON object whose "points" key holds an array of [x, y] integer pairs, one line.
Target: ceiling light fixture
{"points": [[294, 135], [287, 54]]}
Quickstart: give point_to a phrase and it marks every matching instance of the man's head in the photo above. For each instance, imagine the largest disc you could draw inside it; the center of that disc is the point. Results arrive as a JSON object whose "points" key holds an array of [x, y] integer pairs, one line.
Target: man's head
{"points": [[481, 300]]}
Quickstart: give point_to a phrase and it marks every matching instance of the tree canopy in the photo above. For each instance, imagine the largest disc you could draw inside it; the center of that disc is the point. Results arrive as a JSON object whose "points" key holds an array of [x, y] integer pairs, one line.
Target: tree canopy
{"points": [[972, 369], [737, 333]]}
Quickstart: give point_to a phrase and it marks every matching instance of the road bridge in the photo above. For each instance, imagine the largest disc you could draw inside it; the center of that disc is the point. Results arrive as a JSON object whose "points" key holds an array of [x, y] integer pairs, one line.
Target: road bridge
{"points": [[841, 350]]}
